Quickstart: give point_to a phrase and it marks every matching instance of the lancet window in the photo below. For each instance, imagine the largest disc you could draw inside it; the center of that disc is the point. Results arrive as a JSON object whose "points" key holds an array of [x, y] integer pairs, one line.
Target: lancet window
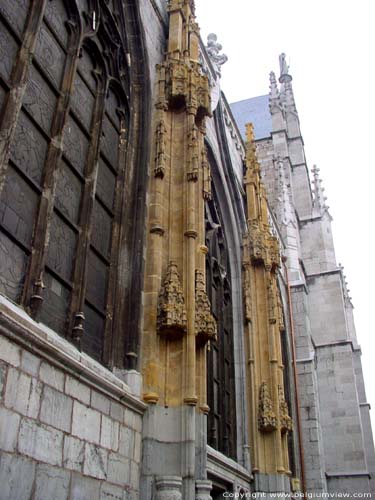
{"points": [[64, 104], [221, 431]]}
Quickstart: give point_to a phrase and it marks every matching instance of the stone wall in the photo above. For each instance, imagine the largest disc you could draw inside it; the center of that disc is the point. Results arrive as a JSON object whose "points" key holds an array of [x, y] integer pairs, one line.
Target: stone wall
{"points": [[62, 436]]}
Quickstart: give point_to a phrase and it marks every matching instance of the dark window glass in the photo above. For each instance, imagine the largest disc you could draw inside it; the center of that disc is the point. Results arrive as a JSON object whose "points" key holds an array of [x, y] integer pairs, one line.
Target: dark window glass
{"points": [[60, 204], [15, 12], [221, 390]]}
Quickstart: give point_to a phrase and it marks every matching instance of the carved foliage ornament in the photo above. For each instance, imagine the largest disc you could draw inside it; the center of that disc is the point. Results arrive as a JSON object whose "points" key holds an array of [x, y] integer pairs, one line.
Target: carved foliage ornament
{"points": [[205, 324], [273, 251], [180, 4], [286, 423], [266, 416], [257, 241], [171, 307]]}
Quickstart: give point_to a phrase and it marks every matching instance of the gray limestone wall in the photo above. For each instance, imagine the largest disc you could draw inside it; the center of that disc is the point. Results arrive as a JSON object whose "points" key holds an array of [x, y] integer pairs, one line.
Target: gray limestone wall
{"points": [[62, 436], [314, 460], [296, 150], [312, 438], [265, 154], [344, 446], [337, 438], [234, 141], [163, 443], [301, 190], [365, 417], [302, 330], [293, 125], [328, 322], [318, 250]]}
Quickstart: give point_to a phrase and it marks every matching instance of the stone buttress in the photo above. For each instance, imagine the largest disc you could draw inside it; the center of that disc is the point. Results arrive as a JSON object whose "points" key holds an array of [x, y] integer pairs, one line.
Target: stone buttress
{"points": [[177, 318], [332, 401], [269, 421]]}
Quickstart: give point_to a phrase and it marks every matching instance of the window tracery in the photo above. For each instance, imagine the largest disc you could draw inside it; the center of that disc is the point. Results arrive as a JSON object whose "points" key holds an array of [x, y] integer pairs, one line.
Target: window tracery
{"points": [[220, 366], [64, 127]]}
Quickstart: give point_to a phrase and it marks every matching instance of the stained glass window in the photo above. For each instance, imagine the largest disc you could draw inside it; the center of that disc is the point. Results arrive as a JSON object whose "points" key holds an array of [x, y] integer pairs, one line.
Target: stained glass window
{"points": [[64, 163]]}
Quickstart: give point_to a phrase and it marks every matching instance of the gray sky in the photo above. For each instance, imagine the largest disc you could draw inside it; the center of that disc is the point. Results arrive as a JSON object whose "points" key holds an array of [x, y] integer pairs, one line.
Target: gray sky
{"points": [[330, 49]]}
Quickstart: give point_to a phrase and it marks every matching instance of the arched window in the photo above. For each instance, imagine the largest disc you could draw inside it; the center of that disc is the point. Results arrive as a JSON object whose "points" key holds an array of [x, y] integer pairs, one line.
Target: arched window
{"points": [[220, 364], [64, 125]]}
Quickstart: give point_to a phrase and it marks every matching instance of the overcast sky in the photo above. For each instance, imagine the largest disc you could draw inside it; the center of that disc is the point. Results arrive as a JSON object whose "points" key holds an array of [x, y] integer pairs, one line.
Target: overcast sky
{"points": [[330, 49]]}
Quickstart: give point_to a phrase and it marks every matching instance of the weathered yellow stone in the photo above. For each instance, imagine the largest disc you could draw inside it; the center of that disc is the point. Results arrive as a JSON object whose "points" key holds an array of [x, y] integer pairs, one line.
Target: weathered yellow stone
{"points": [[269, 421], [175, 313]]}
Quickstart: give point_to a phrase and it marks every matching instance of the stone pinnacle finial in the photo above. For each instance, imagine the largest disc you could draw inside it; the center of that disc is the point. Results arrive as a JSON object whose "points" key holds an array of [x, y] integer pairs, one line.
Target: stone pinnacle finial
{"points": [[274, 91], [249, 132], [213, 48], [319, 198]]}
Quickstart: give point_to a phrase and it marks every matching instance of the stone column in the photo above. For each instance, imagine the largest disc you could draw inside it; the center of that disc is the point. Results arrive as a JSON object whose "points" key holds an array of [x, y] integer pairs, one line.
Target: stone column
{"points": [[203, 489], [168, 488]]}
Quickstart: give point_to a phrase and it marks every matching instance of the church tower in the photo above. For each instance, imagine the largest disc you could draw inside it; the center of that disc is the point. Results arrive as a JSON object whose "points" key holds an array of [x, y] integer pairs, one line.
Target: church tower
{"points": [[331, 399]]}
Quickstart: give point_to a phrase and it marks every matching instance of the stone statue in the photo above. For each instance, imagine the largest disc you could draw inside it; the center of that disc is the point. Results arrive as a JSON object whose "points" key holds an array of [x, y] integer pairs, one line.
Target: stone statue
{"points": [[284, 68], [213, 49]]}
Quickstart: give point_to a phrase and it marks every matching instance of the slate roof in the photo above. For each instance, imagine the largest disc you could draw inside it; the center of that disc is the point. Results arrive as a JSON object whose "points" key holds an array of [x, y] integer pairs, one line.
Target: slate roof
{"points": [[255, 110]]}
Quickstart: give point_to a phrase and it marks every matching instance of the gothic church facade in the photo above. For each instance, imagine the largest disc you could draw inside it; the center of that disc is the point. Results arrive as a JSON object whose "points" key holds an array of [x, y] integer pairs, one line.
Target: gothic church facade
{"points": [[173, 321]]}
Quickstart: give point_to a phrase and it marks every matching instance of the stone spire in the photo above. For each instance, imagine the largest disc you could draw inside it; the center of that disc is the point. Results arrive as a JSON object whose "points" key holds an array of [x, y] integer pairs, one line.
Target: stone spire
{"points": [[319, 204], [213, 48]]}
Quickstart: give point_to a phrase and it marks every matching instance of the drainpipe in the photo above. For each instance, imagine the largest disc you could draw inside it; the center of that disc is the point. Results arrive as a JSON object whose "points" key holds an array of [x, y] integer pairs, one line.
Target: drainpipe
{"points": [[295, 376]]}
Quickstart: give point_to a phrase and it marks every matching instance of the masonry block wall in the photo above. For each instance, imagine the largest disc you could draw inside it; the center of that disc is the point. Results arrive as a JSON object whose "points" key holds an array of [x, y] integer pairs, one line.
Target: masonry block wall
{"points": [[62, 438]]}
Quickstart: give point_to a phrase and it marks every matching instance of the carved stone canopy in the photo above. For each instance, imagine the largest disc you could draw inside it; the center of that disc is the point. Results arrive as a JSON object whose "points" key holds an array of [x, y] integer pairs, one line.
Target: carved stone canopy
{"points": [[205, 324], [267, 421], [171, 308], [286, 423]]}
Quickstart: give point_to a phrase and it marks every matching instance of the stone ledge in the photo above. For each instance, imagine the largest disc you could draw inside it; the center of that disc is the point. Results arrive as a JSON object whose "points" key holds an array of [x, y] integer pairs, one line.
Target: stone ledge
{"points": [[306, 360], [324, 273], [229, 469], [364, 473], [338, 343], [17, 326]]}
